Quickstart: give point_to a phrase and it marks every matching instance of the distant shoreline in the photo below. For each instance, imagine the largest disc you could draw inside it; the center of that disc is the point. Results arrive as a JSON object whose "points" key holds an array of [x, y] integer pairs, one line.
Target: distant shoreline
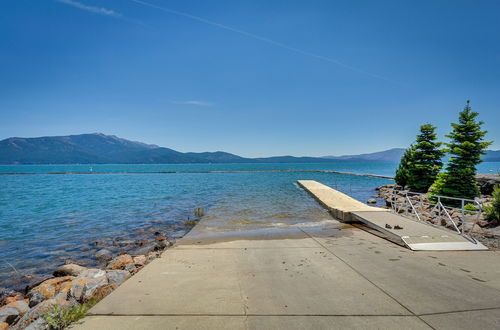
{"points": [[204, 172]]}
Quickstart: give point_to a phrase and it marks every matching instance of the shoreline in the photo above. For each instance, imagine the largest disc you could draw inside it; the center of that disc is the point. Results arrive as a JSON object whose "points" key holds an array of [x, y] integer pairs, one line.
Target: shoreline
{"points": [[75, 284], [206, 172]]}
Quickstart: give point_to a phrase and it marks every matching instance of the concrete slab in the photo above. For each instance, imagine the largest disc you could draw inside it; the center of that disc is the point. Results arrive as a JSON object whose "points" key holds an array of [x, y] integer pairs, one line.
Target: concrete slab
{"points": [[161, 322], [483, 319], [421, 285], [252, 322], [307, 282], [172, 286], [336, 322]]}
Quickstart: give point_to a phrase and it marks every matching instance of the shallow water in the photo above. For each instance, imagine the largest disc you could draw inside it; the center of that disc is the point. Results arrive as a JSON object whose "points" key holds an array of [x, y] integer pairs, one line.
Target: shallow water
{"points": [[48, 219]]}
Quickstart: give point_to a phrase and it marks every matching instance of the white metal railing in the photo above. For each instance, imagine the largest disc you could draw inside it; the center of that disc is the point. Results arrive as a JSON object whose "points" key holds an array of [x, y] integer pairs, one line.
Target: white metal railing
{"points": [[431, 210]]}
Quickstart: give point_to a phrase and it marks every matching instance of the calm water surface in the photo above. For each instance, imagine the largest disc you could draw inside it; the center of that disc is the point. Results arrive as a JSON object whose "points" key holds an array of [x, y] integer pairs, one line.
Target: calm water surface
{"points": [[48, 219]]}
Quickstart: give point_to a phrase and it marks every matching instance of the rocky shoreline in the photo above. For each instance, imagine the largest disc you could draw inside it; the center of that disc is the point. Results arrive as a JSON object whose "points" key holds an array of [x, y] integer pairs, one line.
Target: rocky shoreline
{"points": [[74, 284]]}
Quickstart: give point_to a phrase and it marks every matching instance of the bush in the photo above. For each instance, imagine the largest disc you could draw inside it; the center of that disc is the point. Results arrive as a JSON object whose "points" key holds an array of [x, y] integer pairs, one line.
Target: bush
{"points": [[492, 212], [59, 317]]}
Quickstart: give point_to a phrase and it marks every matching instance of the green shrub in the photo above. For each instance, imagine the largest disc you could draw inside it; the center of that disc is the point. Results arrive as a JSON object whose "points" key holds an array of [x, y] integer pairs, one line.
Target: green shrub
{"points": [[492, 212], [199, 211], [60, 317]]}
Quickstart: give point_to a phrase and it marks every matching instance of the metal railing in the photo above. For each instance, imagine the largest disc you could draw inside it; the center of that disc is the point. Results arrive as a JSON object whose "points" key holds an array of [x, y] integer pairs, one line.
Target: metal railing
{"points": [[430, 209]]}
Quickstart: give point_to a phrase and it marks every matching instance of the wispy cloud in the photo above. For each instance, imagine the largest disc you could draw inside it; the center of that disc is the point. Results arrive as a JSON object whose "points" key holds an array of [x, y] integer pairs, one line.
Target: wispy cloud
{"points": [[194, 102], [260, 38], [92, 9]]}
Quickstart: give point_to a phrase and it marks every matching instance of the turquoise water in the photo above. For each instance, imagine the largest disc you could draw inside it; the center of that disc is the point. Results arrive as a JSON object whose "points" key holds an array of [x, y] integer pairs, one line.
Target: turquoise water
{"points": [[46, 219]]}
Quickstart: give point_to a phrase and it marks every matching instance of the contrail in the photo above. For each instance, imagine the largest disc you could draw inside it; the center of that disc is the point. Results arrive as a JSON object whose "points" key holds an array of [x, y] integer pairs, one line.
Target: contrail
{"points": [[257, 37]]}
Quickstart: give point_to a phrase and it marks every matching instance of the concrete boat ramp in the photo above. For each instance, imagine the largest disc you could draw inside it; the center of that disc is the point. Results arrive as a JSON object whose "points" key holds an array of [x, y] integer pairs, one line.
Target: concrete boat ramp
{"points": [[415, 235], [326, 275]]}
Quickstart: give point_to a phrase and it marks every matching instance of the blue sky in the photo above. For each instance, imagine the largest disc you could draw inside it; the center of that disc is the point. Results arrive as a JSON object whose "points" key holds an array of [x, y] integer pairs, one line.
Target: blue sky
{"points": [[255, 78]]}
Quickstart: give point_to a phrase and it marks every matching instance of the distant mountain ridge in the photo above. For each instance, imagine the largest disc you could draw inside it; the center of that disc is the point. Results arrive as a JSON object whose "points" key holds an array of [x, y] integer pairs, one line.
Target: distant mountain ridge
{"points": [[98, 148]]}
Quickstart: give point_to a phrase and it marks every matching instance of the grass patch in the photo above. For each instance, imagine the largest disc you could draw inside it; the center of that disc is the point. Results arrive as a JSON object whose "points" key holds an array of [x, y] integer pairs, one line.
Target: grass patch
{"points": [[59, 317], [190, 223]]}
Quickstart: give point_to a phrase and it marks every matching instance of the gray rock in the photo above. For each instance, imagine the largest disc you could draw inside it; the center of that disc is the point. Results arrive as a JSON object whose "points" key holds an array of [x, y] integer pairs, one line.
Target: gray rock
{"points": [[117, 277], [87, 283], [145, 249], [20, 305], [69, 270], [39, 324], [35, 297], [372, 201], [9, 314], [103, 255], [131, 268], [487, 181]]}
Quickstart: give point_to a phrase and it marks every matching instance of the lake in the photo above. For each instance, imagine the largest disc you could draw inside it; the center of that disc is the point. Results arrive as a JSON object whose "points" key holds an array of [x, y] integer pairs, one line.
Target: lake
{"points": [[47, 219]]}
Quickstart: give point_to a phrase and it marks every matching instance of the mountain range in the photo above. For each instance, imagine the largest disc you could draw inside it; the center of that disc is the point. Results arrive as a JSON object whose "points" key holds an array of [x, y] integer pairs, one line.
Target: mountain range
{"points": [[98, 148]]}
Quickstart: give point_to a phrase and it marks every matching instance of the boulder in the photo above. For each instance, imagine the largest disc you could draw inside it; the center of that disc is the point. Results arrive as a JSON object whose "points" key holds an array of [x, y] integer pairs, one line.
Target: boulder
{"points": [[372, 201], [117, 277], [144, 249], [103, 255], [140, 260], [39, 324], [87, 283], [69, 270], [21, 305], [120, 262], [36, 312], [9, 314], [487, 181], [131, 268], [47, 289]]}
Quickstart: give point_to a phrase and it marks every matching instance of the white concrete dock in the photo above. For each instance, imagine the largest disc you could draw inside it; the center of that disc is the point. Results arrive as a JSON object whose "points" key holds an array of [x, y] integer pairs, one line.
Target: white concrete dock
{"points": [[415, 235]]}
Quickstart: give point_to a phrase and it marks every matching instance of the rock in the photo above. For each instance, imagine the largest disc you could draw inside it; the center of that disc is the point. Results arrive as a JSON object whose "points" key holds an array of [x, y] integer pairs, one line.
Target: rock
{"points": [[4, 326], [47, 289], [487, 181], [140, 260], [38, 311], [103, 255], [144, 249], [160, 238], [69, 270], [120, 262], [8, 315], [39, 324], [87, 283], [117, 277], [131, 268], [20, 305], [372, 201]]}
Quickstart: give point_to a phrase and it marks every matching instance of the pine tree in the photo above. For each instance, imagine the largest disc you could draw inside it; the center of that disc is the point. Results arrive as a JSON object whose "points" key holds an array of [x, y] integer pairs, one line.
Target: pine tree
{"points": [[466, 147], [426, 160], [401, 176]]}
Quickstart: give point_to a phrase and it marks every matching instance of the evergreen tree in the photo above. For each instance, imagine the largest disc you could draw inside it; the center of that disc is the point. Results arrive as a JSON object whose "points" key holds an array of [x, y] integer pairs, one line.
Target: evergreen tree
{"points": [[401, 176], [426, 160], [466, 147]]}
